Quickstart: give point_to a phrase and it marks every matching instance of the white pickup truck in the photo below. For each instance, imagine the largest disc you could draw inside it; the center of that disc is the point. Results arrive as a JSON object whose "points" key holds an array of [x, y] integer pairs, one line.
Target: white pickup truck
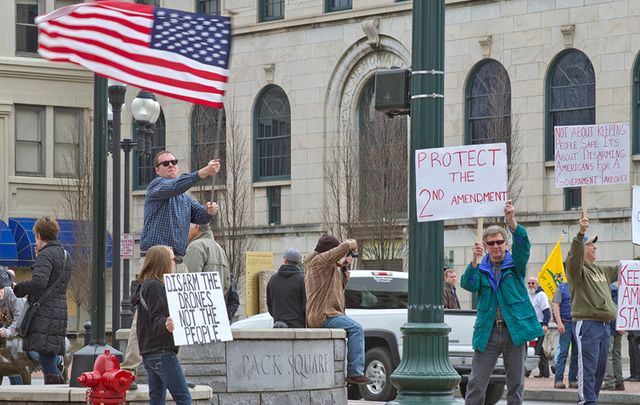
{"points": [[378, 301]]}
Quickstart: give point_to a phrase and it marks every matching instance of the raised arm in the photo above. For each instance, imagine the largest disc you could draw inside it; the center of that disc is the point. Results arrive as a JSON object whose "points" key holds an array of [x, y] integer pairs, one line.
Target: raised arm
{"points": [[575, 257]]}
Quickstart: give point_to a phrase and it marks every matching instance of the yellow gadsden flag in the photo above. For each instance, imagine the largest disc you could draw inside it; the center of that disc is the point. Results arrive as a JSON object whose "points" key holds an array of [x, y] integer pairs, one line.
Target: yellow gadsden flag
{"points": [[552, 273]]}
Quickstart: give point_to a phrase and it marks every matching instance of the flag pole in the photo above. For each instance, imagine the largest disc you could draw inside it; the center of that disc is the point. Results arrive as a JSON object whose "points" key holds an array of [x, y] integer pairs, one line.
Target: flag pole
{"points": [[480, 229], [216, 152], [583, 198]]}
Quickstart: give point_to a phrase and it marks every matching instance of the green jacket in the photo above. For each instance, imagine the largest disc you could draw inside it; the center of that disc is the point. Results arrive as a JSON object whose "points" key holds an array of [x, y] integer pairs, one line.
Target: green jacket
{"points": [[589, 283], [204, 254], [508, 291]]}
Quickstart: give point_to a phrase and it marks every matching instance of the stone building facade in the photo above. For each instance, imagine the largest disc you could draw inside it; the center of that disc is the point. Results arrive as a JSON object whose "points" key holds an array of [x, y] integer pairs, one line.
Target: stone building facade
{"points": [[300, 73]]}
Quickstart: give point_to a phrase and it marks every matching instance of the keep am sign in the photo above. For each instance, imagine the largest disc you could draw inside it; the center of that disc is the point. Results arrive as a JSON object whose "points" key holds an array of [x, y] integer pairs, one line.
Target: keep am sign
{"points": [[461, 182], [628, 317], [197, 307]]}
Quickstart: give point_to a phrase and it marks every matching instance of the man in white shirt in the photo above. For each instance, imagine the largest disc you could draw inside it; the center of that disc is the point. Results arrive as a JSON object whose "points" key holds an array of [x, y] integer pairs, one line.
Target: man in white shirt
{"points": [[540, 304]]}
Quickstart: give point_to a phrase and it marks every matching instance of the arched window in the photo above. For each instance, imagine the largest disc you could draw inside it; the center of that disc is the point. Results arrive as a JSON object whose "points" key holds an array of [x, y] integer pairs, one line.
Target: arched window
{"points": [[272, 135], [144, 171], [635, 108], [488, 105], [208, 139], [382, 161], [570, 100]]}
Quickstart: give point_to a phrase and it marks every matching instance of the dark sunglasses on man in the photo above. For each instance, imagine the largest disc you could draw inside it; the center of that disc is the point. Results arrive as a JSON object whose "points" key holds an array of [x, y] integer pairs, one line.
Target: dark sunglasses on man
{"points": [[495, 242], [166, 163]]}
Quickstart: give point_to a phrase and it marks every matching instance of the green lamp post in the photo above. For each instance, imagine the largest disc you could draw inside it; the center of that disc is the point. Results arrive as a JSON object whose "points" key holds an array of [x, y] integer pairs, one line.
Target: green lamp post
{"points": [[425, 375]]}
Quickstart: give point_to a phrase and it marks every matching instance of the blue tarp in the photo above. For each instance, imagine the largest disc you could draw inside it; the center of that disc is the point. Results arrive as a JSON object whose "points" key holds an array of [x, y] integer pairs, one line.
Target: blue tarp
{"points": [[23, 253]]}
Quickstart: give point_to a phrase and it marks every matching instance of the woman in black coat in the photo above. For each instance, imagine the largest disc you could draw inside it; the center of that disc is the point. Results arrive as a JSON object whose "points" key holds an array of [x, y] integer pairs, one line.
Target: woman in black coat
{"points": [[46, 334]]}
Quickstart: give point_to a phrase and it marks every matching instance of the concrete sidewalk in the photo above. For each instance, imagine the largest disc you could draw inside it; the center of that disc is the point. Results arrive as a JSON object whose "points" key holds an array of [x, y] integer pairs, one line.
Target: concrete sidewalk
{"points": [[541, 389]]}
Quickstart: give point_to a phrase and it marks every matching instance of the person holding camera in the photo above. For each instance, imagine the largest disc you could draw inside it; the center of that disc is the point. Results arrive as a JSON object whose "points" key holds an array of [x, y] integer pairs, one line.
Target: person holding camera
{"points": [[327, 273]]}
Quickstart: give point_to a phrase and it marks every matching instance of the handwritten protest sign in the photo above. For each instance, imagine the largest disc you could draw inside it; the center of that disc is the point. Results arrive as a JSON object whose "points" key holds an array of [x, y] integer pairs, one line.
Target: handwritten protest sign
{"points": [[591, 155], [197, 307], [461, 182], [635, 216], [628, 317]]}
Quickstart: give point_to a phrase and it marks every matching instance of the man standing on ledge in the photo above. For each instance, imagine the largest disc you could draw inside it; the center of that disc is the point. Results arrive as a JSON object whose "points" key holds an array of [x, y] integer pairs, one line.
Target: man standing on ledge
{"points": [[325, 281], [591, 309], [168, 213], [506, 320]]}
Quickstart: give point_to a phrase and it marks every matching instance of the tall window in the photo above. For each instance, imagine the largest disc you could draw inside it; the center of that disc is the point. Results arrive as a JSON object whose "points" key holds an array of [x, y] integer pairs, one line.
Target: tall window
{"points": [[271, 10], [635, 108], [67, 130], [570, 100], [272, 129], [211, 7], [274, 204], [208, 140], [144, 170], [337, 5], [29, 140], [382, 162], [26, 30], [488, 105]]}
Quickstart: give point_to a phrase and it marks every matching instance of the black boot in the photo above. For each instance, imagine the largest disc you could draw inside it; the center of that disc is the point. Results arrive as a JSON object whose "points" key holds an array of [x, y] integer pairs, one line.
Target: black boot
{"points": [[53, 379]]}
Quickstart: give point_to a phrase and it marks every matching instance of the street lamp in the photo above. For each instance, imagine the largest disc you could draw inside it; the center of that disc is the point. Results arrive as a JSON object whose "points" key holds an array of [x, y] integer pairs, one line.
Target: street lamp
{"points": [[117, 93], [146, 110]]}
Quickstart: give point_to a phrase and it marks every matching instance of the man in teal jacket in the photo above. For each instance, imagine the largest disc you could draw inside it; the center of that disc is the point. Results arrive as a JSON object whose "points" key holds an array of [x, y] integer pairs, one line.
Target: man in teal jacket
{"points": [[505, 320]]}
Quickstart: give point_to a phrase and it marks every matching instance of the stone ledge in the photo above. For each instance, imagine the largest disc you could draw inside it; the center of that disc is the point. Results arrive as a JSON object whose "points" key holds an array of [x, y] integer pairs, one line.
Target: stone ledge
{"points": [[52, 394], [285, 334]]}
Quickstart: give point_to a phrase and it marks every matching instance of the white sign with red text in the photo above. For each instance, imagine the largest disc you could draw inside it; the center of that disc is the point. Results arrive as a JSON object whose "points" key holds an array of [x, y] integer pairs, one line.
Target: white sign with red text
{"points": [[628, 296], [127, 246], [461, 182], [591, 155]]}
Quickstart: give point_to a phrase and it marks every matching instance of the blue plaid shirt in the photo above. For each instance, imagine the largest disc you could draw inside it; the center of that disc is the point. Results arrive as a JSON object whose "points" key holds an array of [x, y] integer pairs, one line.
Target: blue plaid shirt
{"points": [[168, 211]]}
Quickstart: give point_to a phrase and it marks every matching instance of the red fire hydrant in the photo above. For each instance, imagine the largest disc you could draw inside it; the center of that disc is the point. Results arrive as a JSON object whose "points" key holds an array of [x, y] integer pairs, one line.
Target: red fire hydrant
{"points": [[107, 384]]}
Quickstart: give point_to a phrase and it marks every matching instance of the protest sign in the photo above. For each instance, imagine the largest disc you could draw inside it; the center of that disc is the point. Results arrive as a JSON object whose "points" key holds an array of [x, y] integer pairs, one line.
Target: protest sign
{"points": [[591, 155], [197, 307], [127, 246], [635, 216], [461, 182], [628, 295]]}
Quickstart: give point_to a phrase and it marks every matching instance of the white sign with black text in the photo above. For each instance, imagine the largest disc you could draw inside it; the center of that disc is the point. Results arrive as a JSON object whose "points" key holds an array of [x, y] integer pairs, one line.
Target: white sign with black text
{"points": [[197, 307]]}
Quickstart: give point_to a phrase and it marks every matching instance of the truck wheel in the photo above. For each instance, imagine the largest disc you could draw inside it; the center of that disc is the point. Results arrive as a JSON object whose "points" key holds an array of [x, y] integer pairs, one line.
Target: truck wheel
{"points": [[492, 396], [378, 368]]}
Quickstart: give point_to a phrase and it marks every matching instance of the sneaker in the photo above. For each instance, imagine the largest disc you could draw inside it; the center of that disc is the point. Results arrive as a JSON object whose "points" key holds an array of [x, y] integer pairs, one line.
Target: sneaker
{"points": [[540, 376], [190, 384], [133, 386], [553, 368], [619, 387], [632, 379], [573, 384], [359, 380], [606, 387], [559, 385]]}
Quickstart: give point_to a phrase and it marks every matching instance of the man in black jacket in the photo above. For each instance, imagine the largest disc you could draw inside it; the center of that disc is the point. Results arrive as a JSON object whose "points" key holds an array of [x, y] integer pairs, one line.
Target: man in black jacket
{"points": [[286, 295]]}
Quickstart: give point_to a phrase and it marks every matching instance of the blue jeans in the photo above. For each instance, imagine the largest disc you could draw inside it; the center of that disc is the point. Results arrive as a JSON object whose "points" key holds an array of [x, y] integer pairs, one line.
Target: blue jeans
{"points": [[14, 380], [567, 339], [164, 372], [49, 363], [593, 347], [355, 342]]}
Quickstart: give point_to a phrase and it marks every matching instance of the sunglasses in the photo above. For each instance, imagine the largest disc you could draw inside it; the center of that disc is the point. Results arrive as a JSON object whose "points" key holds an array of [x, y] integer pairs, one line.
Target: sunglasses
{"points": [[166, 163], [531, 283], [495, 242]]}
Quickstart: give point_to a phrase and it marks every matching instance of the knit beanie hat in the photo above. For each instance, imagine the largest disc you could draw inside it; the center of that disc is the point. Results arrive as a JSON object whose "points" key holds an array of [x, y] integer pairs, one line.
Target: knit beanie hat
{"points": [[326, 242], [293, 255]]}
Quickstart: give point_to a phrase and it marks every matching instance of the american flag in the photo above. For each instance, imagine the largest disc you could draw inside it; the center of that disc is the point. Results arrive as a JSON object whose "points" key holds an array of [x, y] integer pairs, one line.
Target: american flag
{"points": [[179, 54]]}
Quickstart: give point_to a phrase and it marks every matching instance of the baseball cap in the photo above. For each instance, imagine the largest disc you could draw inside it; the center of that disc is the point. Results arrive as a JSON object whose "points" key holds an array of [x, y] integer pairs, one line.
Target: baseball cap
{"points": [[292, 255], [590, 239]]}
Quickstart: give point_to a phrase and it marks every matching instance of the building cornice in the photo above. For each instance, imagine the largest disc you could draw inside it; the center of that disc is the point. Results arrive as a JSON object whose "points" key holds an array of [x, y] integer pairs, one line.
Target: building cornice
{"points": [[40, 69]]}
